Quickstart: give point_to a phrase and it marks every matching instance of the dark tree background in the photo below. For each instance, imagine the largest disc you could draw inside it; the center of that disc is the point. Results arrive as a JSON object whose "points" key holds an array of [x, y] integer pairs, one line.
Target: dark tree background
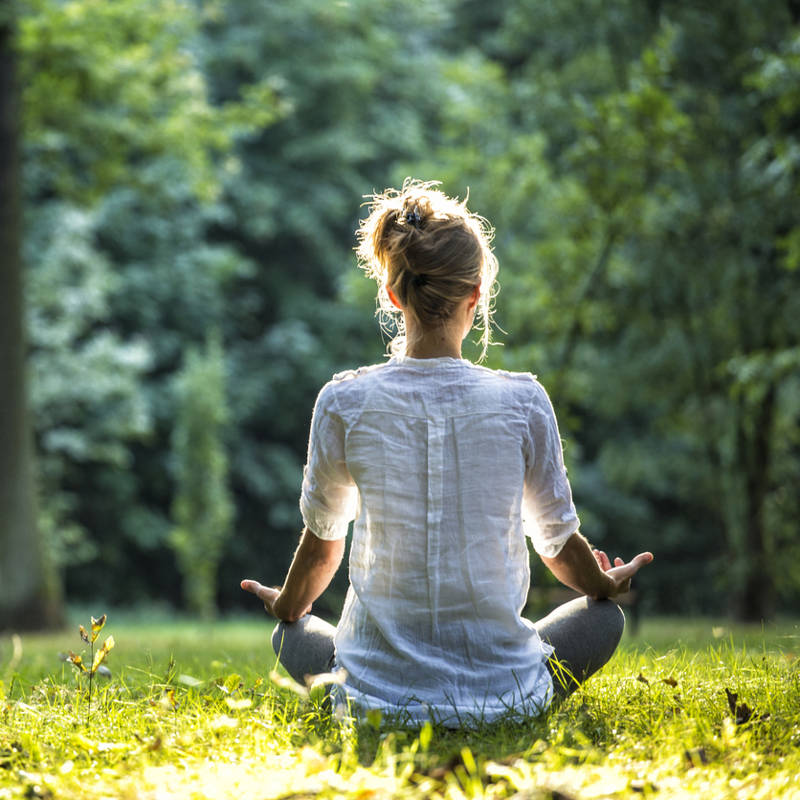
{"points": [[194, 172]]}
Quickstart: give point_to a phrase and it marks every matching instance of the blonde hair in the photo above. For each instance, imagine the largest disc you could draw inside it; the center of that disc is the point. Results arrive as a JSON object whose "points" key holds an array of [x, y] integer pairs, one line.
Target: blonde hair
{"points": [[432, 252]]}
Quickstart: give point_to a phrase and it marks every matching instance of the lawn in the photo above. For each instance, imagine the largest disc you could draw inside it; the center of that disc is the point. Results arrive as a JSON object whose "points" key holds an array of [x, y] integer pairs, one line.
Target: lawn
{"points": [[193, 711]]}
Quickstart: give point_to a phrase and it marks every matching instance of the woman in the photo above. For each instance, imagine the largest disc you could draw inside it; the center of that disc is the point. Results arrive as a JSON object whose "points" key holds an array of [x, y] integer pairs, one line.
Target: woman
{"points": [[446, 467]]}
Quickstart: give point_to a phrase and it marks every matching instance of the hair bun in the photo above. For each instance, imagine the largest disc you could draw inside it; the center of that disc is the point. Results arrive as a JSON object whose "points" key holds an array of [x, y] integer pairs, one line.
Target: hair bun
{"points": [[412, 217], [428, 251]]}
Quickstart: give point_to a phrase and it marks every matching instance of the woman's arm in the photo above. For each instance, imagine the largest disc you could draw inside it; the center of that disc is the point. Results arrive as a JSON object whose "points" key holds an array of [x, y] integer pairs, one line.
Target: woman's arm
{"points": [[590, 572], [314, 564]]}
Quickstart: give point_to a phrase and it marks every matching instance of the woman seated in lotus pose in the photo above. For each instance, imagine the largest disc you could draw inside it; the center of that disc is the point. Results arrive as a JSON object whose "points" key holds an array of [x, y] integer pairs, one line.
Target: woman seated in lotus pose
{"points": [[446, 467]]}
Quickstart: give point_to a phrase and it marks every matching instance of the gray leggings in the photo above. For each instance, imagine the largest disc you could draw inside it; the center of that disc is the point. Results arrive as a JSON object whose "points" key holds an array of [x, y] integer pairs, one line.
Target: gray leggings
{"points": [[583, 632]]}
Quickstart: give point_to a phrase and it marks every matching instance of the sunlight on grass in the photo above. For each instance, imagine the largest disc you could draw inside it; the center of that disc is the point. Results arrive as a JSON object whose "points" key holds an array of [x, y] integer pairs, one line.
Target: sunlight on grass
{"points": [[189, 711]]}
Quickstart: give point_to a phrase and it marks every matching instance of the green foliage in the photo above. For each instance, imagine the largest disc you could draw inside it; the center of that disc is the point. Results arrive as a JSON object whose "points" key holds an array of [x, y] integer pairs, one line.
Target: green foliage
{"points": [[195, 167], [203, 509], [187, 708], [131, 68], [87, 403]]}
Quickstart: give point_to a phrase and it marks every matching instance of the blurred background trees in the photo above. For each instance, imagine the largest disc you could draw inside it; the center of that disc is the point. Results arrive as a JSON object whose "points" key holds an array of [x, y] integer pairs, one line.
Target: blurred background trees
{"points": [[202, 510], [198, 166]]}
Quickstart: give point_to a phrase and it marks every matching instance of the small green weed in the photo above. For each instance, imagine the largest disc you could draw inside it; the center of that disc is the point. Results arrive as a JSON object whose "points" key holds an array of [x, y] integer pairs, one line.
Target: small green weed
{"points": [[95, 659], [192, 711]]}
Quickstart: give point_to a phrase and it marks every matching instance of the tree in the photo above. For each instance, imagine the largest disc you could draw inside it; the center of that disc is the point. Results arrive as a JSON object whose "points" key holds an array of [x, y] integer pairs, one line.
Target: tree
{"points": [[122, 159], [29, 593], [202, 510]]}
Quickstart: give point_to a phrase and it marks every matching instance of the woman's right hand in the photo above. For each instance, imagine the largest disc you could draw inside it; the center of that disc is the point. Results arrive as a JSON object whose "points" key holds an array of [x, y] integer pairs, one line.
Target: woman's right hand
{"points": [[621, 572], [267, 594]]}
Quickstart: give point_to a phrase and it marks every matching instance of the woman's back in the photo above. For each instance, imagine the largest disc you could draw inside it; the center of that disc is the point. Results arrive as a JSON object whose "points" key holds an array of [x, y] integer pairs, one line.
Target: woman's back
{"points": [[447, 457]]}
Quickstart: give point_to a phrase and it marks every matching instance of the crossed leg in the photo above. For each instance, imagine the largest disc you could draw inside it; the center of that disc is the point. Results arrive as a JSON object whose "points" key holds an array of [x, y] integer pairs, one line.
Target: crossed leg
{"points": [[584, 634], [304, 647]]}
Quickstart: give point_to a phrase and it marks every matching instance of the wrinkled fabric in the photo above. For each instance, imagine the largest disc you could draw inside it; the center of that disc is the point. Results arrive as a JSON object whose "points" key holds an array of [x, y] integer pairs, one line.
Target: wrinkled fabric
{"points": [[445, 467]]}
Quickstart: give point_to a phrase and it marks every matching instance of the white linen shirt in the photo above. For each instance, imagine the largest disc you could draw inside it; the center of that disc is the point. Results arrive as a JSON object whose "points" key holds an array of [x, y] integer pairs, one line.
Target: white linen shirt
{"points": [[445, 467]]}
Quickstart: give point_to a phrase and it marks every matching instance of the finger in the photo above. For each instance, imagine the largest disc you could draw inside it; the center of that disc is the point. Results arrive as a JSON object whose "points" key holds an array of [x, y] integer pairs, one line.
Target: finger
{"points": [[250, 586], [603, 561], [618, 562], [642, 559], [634, 565], [264, 593]]}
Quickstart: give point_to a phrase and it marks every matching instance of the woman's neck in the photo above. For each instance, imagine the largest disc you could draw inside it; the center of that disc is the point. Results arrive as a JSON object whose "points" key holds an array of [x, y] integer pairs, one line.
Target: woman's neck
{"points": [[433, 343]]}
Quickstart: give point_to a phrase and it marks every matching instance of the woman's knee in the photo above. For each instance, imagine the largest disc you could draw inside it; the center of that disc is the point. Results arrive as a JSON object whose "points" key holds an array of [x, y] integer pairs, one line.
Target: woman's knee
{"points": [[304, 647], [278, 635], [610, 616]]}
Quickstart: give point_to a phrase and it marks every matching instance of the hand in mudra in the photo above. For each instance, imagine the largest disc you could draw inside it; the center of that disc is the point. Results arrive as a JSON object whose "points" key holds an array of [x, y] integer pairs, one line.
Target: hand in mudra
{"points": [[620, 572], [267, 594]]}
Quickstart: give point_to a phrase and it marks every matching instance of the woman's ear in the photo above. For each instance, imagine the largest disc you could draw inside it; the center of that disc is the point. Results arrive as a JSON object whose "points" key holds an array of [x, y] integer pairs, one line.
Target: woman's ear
{"points": [[393, 298], [474, 297]]}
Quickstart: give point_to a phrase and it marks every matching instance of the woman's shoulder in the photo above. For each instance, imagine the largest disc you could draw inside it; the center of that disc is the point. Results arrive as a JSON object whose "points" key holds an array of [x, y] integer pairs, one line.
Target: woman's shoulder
{"points": [[522, 380], [352, 374], [344, 383], [522, 388]]}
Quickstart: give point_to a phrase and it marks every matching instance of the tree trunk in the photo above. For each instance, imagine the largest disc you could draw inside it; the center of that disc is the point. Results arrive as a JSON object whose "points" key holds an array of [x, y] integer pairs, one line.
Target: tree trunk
{"points": [[756, 598], [29, 591]]}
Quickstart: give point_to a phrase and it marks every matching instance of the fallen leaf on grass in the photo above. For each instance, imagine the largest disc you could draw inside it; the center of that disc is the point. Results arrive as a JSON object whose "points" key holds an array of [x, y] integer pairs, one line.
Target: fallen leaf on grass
{"points": [[670, 681], [188, 680], [696, 756], [641, 678], [742, 713]]}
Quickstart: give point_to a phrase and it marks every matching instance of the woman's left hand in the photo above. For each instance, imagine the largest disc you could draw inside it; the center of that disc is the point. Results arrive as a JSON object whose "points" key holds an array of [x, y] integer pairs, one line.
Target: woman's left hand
{"points": [[267, 594], [620, 571]]}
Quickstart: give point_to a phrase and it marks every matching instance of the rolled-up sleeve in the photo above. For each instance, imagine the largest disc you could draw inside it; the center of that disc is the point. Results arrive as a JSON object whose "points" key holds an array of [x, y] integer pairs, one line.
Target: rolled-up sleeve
{"points": [[548, 513], [329, 499]]}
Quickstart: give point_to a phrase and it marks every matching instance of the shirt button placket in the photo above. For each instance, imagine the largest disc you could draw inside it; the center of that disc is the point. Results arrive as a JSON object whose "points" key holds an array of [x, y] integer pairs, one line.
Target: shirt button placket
{"points": [[436, 434]]}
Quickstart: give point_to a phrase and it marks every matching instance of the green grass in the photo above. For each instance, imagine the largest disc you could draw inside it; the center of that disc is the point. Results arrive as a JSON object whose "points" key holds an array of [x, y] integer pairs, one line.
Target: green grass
{"points": [[190, 711]]}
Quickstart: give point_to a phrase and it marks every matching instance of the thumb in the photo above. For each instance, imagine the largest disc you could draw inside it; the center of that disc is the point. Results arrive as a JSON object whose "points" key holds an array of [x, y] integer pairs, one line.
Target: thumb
{"points": [[635, 564], [251, 586], [642, 559]]}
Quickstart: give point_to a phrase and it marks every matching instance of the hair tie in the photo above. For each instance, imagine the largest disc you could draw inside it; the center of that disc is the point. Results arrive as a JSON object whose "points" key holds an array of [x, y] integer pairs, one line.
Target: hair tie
{"points": [[413, 218]]}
